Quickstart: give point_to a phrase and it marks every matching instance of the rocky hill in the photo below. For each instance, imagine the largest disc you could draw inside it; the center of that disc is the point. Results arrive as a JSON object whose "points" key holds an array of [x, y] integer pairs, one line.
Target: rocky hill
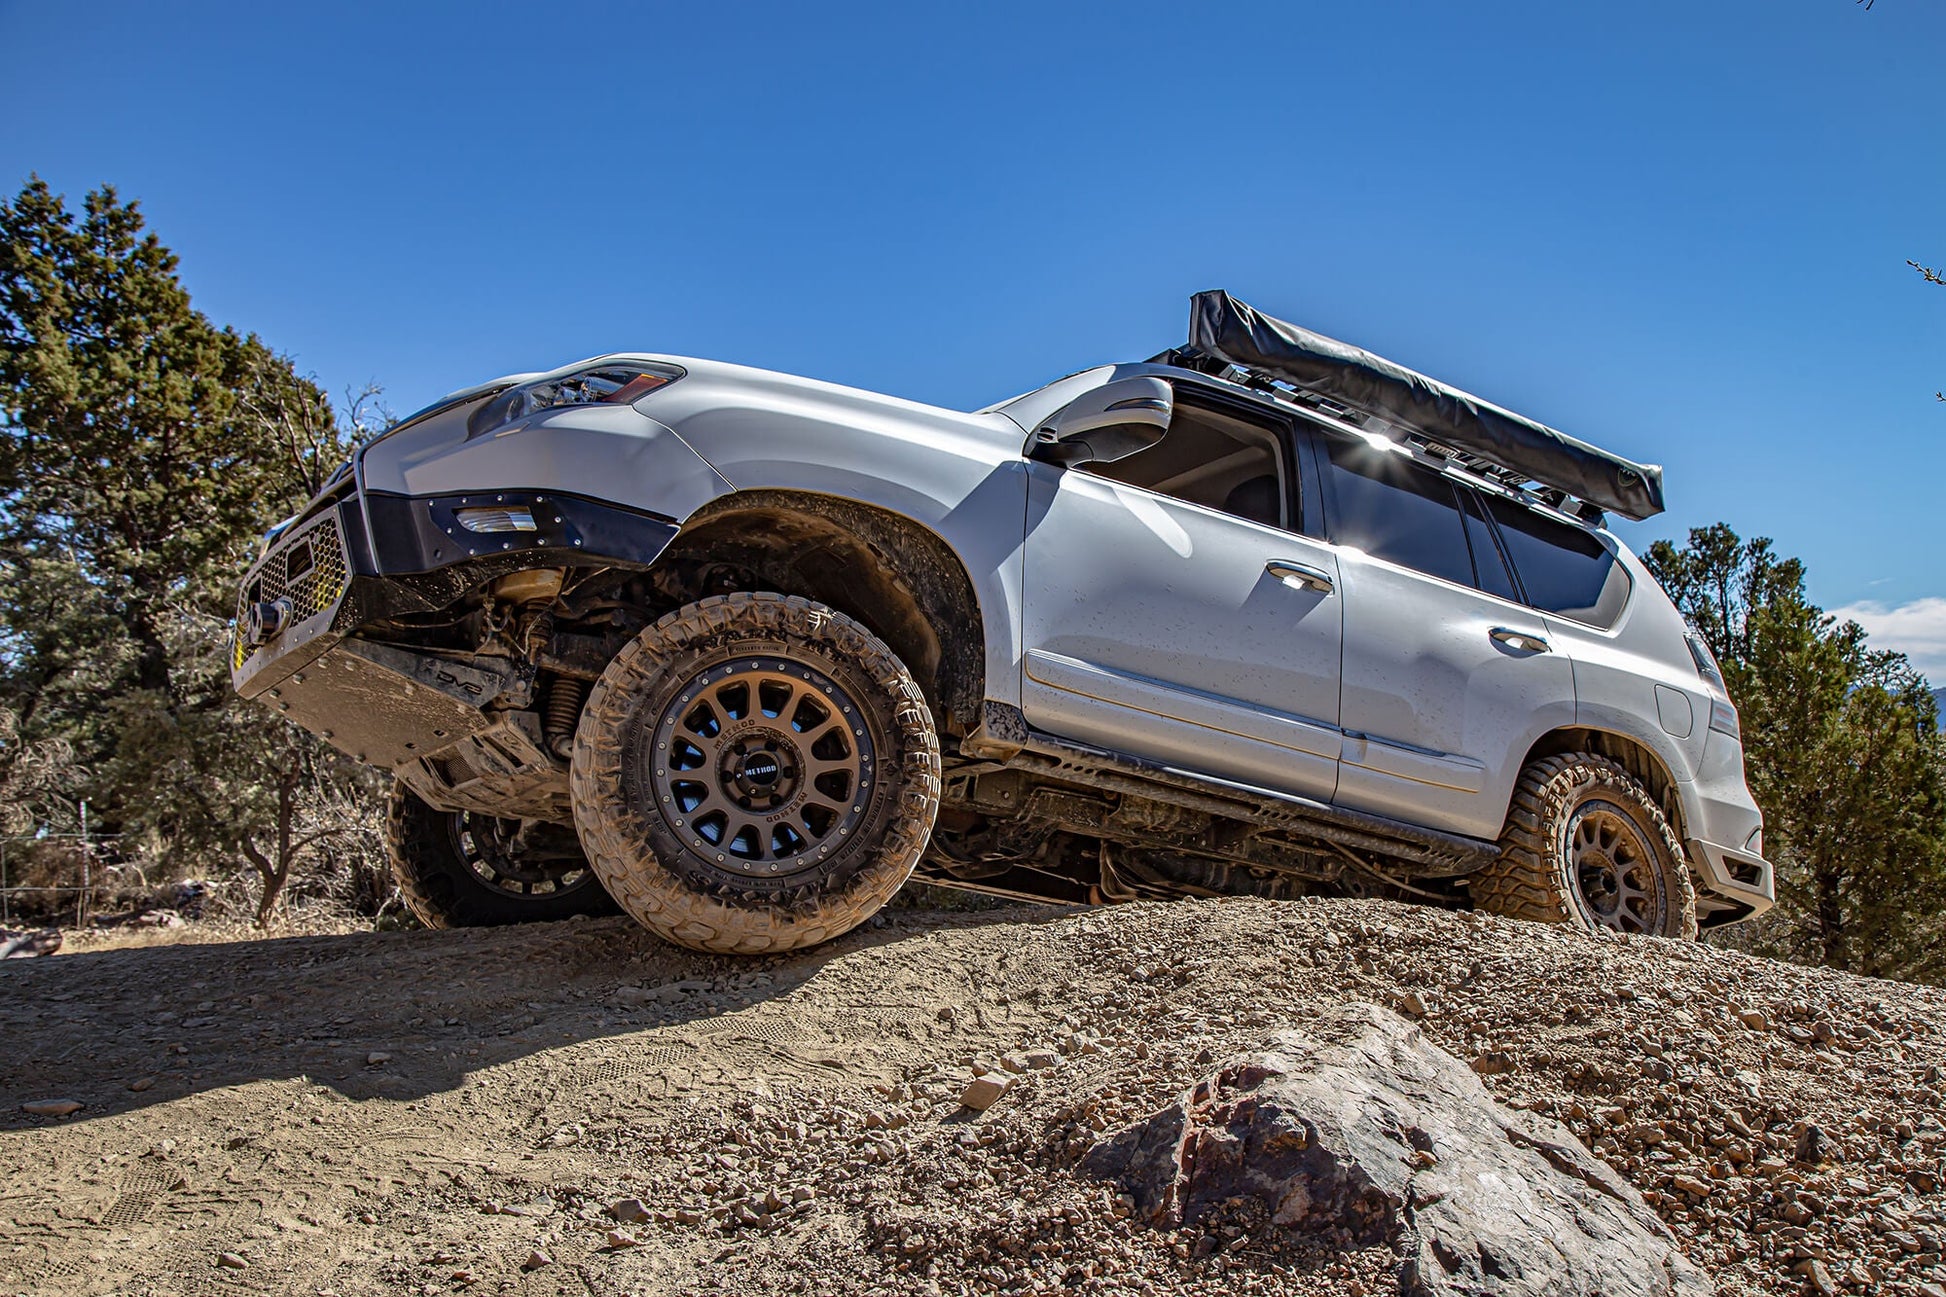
{"points": [[579, 1109]]}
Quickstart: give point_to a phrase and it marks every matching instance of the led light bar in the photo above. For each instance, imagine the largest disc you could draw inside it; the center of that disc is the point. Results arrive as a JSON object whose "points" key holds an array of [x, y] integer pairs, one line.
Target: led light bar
{"points": [[498, 518]]}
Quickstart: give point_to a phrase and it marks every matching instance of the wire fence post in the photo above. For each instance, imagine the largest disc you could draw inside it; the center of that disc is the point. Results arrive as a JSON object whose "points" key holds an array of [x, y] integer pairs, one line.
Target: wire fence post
{"points": [[81, 897], [35, 896]]}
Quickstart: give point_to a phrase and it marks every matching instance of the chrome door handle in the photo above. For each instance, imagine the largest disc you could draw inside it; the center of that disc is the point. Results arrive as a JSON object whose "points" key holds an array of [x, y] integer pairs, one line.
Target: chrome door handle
{"points": [[1521, 639], [1300, 576]]}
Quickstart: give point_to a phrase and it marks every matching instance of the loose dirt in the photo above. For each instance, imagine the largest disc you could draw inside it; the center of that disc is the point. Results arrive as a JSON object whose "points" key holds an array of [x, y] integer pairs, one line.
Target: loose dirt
{"points": [[579, 1109]]}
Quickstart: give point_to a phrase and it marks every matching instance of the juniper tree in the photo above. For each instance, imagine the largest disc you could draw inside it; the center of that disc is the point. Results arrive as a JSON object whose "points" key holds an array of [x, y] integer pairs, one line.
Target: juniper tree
{"points": [[1843, 752], [142, 450]]}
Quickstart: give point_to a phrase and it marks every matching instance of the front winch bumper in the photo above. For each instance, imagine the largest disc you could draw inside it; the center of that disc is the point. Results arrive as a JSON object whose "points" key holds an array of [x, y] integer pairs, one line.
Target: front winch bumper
{"points": [[459, 730]]}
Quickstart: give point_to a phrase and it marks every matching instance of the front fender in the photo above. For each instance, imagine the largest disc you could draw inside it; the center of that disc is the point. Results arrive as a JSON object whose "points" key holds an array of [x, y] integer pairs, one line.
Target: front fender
{"points": [[960, 476]]}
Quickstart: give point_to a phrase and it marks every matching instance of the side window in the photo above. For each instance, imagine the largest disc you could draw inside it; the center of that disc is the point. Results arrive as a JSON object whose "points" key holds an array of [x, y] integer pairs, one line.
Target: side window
{"points": [[1388, 506], [1563, 569], [1487, 559], [1215, 459]]}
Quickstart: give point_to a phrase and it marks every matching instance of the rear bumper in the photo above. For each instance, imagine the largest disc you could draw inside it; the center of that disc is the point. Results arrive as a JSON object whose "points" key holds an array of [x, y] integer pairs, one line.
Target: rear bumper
{"points": [[1724, 825], [1737, 884]]}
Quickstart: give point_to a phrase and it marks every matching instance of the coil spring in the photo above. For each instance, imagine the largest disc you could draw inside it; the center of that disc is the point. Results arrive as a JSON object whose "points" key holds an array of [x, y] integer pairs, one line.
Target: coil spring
{"points": [[564, 698]]}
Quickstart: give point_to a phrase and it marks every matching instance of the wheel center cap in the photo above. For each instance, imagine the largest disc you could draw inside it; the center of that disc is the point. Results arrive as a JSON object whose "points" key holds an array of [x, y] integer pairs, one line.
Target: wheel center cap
{"points": [[760, 769]]}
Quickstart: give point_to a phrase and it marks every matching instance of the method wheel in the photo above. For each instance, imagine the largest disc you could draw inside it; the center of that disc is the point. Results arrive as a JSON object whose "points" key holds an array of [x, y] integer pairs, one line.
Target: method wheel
{"points": [[464, 870], [1587, 844], [755, 772]]}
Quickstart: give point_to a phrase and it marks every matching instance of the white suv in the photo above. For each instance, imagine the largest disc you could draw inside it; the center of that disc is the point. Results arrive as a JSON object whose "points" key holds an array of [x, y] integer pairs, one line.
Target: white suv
{"points": [[1265, 615]]}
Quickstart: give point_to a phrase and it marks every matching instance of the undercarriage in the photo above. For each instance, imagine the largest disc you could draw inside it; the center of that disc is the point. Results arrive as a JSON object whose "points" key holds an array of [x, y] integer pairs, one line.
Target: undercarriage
{"points": [[473, 699]]}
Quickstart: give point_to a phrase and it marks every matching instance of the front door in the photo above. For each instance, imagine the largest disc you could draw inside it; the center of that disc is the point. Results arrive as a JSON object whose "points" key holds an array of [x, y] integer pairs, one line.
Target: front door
{"points": [[1171, 611]]}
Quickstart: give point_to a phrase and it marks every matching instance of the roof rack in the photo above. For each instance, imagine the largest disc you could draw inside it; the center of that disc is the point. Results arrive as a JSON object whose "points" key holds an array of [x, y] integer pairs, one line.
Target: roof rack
{"points": [[1350, 418], [1363, 391]]}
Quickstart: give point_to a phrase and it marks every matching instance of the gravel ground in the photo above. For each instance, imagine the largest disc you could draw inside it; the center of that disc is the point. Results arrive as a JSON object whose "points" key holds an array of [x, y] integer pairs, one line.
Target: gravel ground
{"points": [[577, 1108]]}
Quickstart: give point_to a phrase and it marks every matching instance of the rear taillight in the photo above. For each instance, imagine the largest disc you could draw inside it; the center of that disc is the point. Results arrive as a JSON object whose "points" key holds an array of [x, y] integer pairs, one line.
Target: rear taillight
{"points": [[1699, 652]]}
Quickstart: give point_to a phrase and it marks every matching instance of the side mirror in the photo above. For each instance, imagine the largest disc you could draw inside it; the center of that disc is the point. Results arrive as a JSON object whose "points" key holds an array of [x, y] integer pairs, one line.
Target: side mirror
{"points": [[1109, 423]]}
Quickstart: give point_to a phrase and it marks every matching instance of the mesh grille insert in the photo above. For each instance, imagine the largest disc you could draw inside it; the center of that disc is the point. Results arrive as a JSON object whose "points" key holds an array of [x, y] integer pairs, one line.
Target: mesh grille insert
{"points": [[309, 570]]}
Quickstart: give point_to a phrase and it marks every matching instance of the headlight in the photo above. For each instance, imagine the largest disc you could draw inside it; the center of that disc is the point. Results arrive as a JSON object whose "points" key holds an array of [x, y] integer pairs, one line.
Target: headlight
{"points": [[612, 383]]}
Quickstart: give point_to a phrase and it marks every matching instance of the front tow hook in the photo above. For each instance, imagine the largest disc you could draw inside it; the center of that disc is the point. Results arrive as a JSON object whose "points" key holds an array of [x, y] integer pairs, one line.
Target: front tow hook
{"points": [[268, 620]]}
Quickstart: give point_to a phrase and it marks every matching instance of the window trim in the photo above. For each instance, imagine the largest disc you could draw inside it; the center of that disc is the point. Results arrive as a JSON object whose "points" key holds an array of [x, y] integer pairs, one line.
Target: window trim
{"points": [[1474, 505]]}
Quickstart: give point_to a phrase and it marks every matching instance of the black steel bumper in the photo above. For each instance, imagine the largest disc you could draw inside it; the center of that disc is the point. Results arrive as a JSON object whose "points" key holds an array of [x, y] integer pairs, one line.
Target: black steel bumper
{"points": [[366, 558]]}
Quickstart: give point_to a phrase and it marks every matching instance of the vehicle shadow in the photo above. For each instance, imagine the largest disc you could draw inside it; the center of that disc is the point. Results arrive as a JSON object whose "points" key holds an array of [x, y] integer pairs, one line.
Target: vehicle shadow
{"points": [[395, 1015]]}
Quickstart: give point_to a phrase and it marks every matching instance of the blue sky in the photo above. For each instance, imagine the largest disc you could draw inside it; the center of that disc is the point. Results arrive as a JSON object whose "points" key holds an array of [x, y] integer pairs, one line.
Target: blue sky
{"points": [[1677, 230]]}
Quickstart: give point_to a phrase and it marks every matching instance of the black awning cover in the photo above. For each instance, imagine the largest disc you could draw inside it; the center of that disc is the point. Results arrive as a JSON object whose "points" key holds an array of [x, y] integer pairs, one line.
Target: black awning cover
{"points": [[1224, 328]]}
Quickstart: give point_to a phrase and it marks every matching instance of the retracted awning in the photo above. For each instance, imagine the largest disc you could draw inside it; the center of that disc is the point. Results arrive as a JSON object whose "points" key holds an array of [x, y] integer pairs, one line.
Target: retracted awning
{"points": [[1228, 330]]}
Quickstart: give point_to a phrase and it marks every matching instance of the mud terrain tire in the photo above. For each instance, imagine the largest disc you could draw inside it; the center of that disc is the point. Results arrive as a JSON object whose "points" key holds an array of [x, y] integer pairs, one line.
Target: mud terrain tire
{"points": [[754, 773], [430, 853], [1587, 844]]}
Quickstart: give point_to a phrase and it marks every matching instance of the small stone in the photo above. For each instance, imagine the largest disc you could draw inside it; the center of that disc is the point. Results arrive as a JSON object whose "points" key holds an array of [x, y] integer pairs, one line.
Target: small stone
{"points": [[985, 1091], [1493, 1063], [1014, 1063], [1692, 1186], [631, 1211], [231, 1261], [377, 1058], [141, 1083], [52, 1107], [1811, 1145], [621, 1238], [1821, 1281], [1412, 1004], [1042, 1059], [1754, 1019], [537, 1260]]}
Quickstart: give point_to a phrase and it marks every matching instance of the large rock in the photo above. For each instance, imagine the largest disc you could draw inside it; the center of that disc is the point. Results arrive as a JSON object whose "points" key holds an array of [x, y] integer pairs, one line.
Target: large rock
{"points": [[1361, 1131]]}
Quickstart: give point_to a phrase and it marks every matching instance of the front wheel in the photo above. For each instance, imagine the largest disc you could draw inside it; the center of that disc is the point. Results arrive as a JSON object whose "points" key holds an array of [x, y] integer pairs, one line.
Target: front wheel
{"points": [[458, 869], [755, 773], [1587, 844]]}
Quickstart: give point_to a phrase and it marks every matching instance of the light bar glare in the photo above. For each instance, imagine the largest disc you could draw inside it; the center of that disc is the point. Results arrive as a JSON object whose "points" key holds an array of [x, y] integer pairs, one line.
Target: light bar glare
{"points": [[501, 518]]}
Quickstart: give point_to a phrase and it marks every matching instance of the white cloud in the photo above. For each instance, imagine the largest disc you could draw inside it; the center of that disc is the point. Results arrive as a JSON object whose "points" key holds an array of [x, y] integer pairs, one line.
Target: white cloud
{"points": [[1916, 629]]}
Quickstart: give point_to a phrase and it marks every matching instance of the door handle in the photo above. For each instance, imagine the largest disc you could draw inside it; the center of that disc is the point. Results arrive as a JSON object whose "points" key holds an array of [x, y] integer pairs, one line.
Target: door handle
{"points": [[1300, 576], [1521, 639]]}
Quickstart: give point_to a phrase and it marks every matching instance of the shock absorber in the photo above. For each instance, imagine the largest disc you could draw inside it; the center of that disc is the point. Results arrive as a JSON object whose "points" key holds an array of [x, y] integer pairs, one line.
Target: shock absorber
{"points": [[564, 698]]}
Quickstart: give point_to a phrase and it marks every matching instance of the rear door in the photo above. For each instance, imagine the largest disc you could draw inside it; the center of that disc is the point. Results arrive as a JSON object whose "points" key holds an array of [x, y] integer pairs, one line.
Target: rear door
{"points": [[1171, 609], [1448, 680]]}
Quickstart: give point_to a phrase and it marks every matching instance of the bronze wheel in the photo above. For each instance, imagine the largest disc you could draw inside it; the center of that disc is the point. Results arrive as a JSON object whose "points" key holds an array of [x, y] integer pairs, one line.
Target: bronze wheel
{"points": [[1587, 844], [756, 772], [465, 870]]}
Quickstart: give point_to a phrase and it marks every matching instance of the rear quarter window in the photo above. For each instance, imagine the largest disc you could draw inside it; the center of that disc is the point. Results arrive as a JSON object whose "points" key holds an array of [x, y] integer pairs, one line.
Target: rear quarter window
{"points": [[1562, 569]]}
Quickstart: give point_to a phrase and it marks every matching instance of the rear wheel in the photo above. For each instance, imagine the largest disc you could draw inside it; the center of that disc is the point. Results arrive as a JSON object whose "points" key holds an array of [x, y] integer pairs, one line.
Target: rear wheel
{"points": [[755, 772], [1587, 844], [466, 870]]}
